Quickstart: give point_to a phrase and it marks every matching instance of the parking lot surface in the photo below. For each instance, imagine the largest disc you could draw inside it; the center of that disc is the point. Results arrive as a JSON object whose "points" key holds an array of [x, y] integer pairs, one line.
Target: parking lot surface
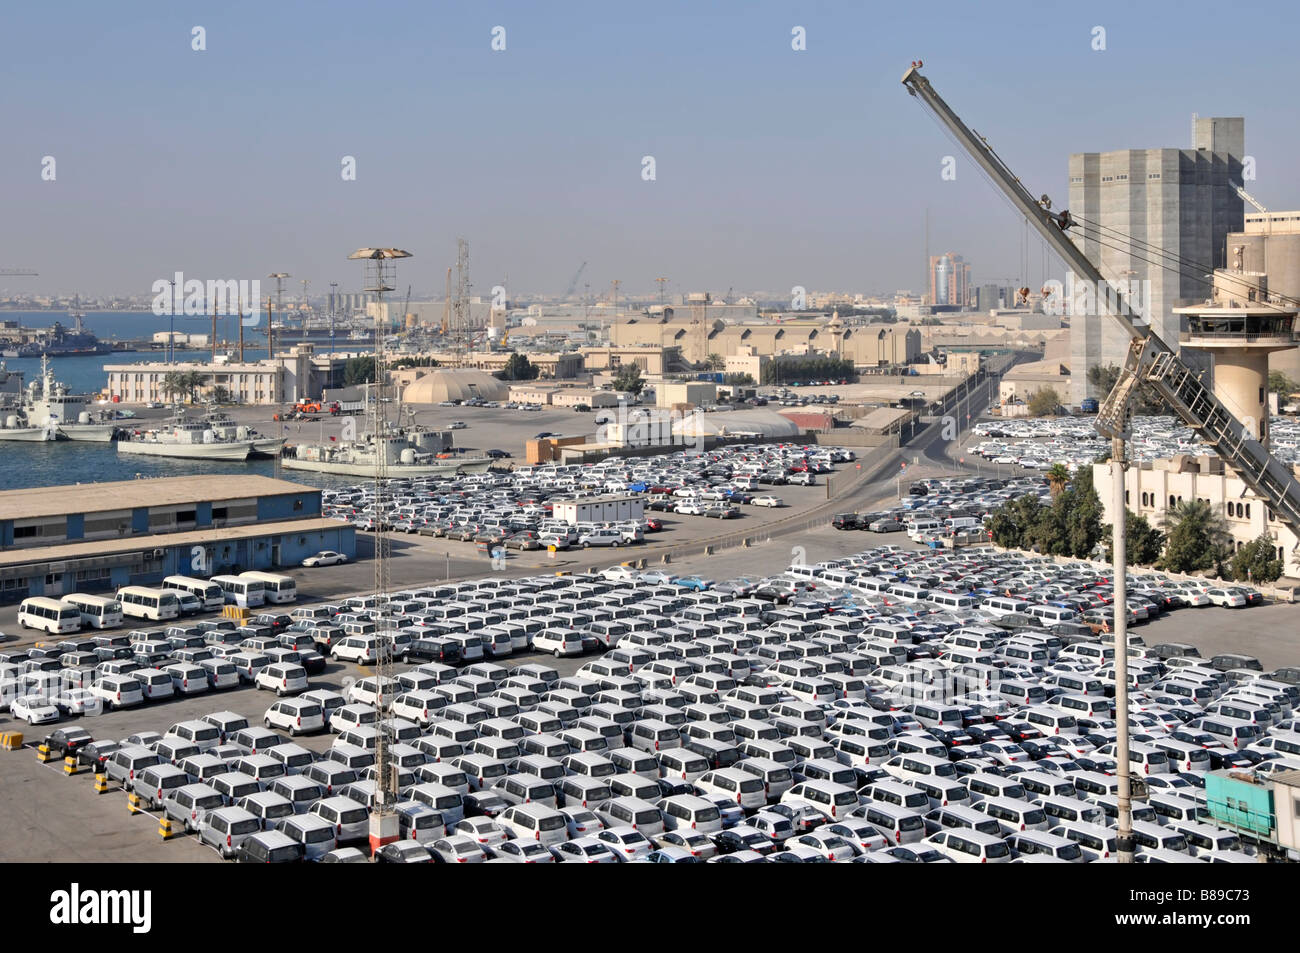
{"points": [[825, 666]]}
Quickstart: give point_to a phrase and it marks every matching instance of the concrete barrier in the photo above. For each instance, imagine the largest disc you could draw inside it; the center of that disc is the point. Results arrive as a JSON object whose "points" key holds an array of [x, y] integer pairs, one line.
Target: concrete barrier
{"points": [[11, 740], [166, 829], [70, 765], [43, 754], [101, 783], [133, 804], [666, 558]]}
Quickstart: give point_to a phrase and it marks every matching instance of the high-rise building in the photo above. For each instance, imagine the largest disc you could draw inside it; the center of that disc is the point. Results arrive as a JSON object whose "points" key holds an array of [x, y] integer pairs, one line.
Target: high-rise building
{"points": [[1132, 206], [949, 280]]}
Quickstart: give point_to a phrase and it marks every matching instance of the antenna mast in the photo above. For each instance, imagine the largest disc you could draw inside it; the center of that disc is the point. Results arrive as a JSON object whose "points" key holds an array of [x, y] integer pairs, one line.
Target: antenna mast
{"points": [[380, 274]]}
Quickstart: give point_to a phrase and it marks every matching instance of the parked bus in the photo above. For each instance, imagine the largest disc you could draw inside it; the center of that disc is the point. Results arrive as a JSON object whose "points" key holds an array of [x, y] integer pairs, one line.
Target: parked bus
{"points": [[278, 588], [50, 615], [97, 612], [141, 602], [207, 591], [238, 591]]}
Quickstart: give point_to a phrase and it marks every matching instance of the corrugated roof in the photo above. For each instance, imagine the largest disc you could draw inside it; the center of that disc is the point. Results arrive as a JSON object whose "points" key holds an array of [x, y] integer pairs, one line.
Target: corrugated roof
{"points": [[1289, 778], [131, 544], [880, 417], [128, 494]]}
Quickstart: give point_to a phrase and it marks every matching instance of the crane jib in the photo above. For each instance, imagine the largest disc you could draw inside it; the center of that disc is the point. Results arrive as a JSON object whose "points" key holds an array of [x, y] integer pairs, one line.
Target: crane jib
{"points": [[1151, 361]]}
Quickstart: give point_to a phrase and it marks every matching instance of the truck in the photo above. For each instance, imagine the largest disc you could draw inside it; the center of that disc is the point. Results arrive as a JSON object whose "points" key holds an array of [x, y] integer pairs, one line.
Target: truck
{"points": [[317, 407]]}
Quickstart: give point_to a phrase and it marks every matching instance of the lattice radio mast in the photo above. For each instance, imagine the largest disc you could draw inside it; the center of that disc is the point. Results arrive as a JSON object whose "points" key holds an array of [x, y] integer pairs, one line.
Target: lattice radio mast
{"points": [[380, 275]]}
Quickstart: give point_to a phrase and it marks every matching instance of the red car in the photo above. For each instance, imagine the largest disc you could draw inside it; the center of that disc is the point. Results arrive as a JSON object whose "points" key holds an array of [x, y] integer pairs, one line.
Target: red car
{"points": [[653, 525]]}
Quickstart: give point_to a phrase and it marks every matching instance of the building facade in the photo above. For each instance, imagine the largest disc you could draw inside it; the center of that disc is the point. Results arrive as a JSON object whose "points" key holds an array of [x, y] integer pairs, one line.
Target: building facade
{"points": [[100, 536], [1126, 203], [950, 280], [1152, 487]]}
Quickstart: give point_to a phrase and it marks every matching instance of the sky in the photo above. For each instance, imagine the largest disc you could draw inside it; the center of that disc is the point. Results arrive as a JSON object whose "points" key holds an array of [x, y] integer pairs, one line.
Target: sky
{"points": [[773, 167]]}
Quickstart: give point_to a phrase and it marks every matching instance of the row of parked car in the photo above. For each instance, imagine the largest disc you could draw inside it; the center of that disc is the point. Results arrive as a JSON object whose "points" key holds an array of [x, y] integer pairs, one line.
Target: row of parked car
{"points": [[87, 675], [515, 507], [1038, 442], [794, 719]]}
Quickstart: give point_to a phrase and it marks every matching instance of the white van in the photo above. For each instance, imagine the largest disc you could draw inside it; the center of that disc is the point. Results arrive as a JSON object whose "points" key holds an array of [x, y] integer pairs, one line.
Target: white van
{"points": [[1004, 605], [141, 602], [276, 588], [97, 612], [207, 592], [238, 591], [48, 615]]}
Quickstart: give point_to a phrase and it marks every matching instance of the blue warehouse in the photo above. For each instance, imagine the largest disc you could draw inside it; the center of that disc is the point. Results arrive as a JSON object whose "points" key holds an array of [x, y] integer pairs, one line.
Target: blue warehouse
{"points": [[98, 537]]}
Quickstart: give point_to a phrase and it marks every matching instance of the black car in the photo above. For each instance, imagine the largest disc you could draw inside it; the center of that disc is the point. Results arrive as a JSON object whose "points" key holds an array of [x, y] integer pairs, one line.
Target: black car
{"points": [[276, 620], [66, 741], [434, 650], [96, 753], [845, 521], [497, 454], [730, 842], [484, 804], [403, 852]]}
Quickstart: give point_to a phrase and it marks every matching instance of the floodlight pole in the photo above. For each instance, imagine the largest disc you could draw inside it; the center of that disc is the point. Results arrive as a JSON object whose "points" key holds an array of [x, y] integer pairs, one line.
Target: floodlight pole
{"points": [[1119, 521]]}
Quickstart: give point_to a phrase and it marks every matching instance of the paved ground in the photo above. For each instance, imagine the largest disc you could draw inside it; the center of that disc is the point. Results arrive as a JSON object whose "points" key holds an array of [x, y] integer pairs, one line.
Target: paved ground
{"points": [[46, 816]]}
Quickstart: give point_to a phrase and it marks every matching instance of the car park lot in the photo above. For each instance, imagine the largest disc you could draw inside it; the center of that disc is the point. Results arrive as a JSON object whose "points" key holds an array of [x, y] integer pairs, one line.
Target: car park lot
{"points": [[1038, 442], [817, 670], [514, 508]]}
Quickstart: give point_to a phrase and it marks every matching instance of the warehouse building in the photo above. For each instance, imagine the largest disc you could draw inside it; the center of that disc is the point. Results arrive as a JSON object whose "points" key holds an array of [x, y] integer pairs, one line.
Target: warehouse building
{"points": [[100, 536], [600, 509]]}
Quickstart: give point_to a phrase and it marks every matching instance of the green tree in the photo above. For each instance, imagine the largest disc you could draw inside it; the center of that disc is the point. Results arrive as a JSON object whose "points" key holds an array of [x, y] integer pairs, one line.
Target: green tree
{"points": [[220, 394], [1280, 384], [1013, 524], [519, 368], [190, 382], [1081, 514], [715, 362], [359, 370], [1058, 475], [1142, 541], [1044, 403], [629, 379], [1257, 561], [1197, 538], [171, 384], [1102, 377], [739, 380]]}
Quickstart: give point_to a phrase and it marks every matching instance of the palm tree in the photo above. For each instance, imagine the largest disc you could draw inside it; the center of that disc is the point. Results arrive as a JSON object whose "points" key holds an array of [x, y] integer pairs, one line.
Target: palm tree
{"points": [[1197, 537], [715, 362], [190, 382], [171, 384], [1058, 475]]}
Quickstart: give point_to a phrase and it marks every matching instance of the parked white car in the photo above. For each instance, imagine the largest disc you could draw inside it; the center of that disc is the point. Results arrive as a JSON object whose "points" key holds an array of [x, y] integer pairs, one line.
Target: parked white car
{"points": [[772, 501], [34, 709], [326, 557], [558, 642]]}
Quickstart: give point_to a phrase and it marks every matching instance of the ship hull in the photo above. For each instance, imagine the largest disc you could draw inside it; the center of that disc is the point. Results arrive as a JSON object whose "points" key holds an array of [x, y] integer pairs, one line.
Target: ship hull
{"points": [[267, 446], [90, 433], [395, 470], [198, 451], [28, 434]]}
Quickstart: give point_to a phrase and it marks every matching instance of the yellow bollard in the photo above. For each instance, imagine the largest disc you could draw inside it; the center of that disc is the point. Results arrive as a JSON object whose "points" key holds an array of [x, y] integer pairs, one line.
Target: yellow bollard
{"points": [[165, 829], [133, 803], [43, 754], [11, 740], [70, 765], [101, 783]]}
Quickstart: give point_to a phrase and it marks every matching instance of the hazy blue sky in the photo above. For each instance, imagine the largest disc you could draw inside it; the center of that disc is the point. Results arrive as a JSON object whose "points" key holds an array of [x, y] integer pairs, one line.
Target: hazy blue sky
{"points": [[774, 167]]}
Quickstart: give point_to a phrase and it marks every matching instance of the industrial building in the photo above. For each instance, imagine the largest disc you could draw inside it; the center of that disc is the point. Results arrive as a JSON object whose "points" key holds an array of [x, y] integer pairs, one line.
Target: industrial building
{"points": [[1183, 201], [295, 374], [600, 509], [1153, 486], [100, 536]]}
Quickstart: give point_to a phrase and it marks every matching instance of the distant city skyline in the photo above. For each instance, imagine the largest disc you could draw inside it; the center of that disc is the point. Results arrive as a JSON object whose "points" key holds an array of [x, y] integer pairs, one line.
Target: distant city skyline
{"points": [[773, 167]]}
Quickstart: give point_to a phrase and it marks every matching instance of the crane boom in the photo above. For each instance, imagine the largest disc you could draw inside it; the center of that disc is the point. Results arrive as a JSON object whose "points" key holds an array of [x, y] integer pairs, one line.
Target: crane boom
{"points": [[1150, 360]]}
